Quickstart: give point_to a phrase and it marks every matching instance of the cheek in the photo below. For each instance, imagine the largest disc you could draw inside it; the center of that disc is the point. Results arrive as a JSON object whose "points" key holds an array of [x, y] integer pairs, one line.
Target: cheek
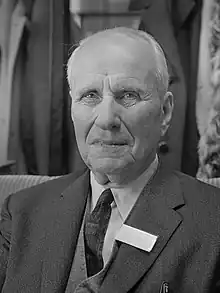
{"points": [[82, 121], [80, 112], [145, 129], [144, 122]]}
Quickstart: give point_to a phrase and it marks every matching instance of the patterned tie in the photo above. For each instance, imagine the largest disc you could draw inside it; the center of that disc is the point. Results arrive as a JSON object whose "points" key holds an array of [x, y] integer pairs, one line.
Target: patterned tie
{"points": [[94, 232]]}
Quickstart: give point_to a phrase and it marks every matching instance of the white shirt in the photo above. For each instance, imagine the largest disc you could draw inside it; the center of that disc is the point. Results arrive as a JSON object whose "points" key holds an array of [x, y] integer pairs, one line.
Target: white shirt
{"points": [[124, 200]]}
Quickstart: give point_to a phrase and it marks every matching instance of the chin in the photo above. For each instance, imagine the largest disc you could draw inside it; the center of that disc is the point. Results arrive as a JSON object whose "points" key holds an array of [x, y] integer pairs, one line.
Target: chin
{"points": [[108, 165]]}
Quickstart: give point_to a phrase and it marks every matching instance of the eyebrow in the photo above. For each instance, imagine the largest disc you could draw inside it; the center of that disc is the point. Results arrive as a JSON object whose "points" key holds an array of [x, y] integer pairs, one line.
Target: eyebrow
{"points": [[129, 89], [142, 89], [93, 86], [120, 86], [85, 89]]}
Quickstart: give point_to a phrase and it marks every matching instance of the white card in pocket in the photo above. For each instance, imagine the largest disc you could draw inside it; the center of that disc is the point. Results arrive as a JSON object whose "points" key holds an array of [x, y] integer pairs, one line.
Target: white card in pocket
{"points": [[136, 238]]}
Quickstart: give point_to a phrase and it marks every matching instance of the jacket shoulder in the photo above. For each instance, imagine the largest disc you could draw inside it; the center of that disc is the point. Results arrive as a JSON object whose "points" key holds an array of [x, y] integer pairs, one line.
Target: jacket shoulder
{"points": [[43, 193], [187, 180], [199, 194]]}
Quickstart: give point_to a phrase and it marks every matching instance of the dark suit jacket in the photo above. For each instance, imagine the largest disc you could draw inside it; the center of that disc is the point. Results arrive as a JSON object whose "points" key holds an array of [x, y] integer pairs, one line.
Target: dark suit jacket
{"points": [[40, 227]]}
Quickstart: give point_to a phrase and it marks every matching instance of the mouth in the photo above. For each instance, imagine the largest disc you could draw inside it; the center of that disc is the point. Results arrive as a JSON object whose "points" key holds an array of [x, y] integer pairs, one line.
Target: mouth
{"points": [[109, 143]]}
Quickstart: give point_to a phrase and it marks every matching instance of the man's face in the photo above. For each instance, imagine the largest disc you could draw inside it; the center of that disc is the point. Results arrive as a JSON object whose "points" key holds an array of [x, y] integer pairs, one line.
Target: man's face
{"points": [[116, 110]]}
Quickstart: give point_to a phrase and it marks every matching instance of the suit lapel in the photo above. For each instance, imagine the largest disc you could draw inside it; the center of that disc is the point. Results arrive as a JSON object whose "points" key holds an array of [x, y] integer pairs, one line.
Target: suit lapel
{"points": [[61, 233], [78, 270], [153, 213]]}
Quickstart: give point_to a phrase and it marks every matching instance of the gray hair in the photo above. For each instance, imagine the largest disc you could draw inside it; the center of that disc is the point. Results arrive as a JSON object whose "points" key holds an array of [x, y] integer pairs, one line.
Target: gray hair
{"points": [[162, 76]]}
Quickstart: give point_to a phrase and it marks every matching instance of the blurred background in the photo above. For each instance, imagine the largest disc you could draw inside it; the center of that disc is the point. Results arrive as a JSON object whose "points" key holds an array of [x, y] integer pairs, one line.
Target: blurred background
{"points": [[38, 36]]}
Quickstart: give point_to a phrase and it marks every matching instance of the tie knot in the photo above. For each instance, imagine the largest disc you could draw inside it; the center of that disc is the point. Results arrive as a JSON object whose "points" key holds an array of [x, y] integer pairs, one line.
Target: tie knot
{"points": [[103, 204], [106, 197]]}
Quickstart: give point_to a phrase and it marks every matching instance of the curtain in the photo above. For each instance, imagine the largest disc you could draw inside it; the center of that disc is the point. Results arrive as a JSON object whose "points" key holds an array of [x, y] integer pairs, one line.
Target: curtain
{"points": [[175, 24], [208, 94], [37, 129], [42, 102], [12, 26]]}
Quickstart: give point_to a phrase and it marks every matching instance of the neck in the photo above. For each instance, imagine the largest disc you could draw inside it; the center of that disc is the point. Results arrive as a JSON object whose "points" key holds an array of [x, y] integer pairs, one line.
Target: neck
{"points": [[122, 179]]}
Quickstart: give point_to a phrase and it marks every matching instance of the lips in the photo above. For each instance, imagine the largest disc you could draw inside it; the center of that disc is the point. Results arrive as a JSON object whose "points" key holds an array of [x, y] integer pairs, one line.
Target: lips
{"points": [[110, 142]]}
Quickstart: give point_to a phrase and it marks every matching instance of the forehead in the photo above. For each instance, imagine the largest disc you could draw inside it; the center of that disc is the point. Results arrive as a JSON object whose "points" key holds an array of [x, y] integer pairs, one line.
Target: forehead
{"points": [[114, 56]]}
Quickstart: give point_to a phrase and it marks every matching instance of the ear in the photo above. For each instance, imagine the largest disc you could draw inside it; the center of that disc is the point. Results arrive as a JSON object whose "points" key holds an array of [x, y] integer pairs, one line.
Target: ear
{"points": [[167, 105]]}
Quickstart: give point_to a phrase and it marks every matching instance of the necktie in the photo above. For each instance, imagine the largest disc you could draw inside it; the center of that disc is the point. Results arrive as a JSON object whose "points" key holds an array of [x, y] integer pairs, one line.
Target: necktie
{"points": [[94, 232]]}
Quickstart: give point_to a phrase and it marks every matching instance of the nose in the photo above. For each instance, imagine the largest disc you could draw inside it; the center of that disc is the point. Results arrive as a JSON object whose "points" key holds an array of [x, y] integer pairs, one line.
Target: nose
{"points": [[107, 114]]}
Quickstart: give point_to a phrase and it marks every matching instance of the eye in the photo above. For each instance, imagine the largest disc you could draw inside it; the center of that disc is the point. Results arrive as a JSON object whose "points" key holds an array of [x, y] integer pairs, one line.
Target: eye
{"points": [[90, 98], [129, 99]]}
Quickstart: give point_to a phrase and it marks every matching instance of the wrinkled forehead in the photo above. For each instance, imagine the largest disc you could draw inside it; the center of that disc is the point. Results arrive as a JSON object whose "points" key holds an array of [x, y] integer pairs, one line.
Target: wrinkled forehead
{"points": [[112, 53]]}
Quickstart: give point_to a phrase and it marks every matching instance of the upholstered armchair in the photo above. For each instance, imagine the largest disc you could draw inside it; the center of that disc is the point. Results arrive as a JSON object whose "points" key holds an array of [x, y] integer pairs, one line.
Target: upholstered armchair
{"points": [[212, 181], [13, 183]]}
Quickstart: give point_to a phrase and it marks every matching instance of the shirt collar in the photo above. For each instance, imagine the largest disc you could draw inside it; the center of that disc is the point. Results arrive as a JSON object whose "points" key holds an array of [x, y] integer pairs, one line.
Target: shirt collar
{"points": [[124, 198]]}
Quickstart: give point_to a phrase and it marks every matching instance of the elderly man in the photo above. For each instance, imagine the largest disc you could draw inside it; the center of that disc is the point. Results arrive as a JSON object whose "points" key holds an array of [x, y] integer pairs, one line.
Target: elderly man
{"points": [[125, 224]]}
